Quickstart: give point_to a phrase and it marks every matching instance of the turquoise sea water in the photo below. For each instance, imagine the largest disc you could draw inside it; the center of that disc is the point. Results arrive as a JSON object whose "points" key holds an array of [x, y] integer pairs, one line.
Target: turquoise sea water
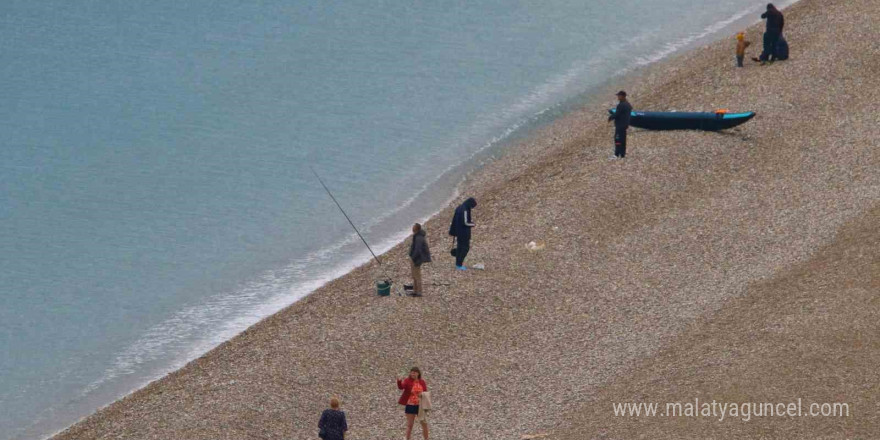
{"points": [[155, 196]]}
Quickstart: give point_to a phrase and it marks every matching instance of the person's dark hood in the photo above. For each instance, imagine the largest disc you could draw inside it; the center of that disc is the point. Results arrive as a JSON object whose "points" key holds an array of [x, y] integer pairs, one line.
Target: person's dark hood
{"points": [[421, 232], [770, 7], [470, 203]]}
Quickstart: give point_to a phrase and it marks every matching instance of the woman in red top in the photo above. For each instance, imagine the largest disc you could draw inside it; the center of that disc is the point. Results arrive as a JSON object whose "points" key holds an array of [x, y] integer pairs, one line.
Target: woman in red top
{"points": [[412, 386]]}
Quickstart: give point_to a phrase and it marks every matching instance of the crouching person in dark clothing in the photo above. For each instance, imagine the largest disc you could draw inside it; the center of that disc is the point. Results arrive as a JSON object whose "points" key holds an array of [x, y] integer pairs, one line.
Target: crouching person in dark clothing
{"points": [[462, 222], [419, 253], [332, 425], [775, 24]]}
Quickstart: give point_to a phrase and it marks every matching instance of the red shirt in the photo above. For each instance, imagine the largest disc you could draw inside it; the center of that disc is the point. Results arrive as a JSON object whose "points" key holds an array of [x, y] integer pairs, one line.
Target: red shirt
{"points": [[406, 385]]}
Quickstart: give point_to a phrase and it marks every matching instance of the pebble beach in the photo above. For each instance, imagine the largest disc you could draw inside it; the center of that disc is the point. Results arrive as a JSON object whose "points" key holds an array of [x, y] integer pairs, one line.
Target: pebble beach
{"points": [[739, 266]]}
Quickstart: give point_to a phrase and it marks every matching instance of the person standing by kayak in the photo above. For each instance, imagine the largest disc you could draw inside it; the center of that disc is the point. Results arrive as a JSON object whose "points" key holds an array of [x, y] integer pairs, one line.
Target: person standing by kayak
{"points": [[775, 23], [462, 222], [621, 118]]}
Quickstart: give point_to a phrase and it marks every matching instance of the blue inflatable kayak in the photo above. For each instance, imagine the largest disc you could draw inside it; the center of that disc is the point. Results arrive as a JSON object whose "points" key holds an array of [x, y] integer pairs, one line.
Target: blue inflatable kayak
{"points": [[687, 120]]}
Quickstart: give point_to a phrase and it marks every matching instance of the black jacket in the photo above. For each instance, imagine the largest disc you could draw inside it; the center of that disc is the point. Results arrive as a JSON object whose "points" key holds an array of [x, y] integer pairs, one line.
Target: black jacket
{"points": [[775, 20], [333, 423], [462, 221], [418, 250], [622, 115]]}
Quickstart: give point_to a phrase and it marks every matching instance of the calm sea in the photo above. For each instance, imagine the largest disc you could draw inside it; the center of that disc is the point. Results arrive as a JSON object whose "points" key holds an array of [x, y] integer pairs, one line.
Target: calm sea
{"points": [[155, 195]]}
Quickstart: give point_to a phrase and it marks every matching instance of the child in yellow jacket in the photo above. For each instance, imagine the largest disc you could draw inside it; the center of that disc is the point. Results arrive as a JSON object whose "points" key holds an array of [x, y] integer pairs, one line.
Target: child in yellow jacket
{"points": [[741, 45]]}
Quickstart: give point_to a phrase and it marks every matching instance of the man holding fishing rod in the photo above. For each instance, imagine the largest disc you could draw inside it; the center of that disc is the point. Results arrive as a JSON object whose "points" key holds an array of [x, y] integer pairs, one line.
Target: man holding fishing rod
{"points": [[419, 253]]}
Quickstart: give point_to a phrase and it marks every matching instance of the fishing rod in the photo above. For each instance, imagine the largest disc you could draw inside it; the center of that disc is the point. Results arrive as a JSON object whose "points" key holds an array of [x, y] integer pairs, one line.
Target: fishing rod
{"points": [[346, 216]]}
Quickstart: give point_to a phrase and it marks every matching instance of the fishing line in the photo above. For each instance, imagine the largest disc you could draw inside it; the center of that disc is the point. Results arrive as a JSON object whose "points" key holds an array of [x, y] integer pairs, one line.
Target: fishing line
{"points": [[349, 220]]}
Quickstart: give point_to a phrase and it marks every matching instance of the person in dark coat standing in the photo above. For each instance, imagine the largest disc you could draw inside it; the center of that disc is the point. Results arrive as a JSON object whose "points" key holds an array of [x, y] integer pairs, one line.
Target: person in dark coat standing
{"points": [[621, 118], [419, 253], [332, 423], [775, 23], [462, 222]]}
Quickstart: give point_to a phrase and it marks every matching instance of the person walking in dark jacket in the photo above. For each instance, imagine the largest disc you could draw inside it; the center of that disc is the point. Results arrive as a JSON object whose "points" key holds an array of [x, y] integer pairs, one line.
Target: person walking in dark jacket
{"points": [[621, 118], [775, 23], [462, 222], [332, 424], [419, 253]]}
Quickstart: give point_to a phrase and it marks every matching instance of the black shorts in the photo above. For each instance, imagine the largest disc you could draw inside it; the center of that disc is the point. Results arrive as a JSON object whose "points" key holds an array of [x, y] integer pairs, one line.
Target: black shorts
{"points": [[411, 409]]}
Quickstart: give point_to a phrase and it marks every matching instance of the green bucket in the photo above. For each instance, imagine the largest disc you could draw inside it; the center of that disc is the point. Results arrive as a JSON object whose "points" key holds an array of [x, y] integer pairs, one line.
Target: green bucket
{"points": [[383, 288]]}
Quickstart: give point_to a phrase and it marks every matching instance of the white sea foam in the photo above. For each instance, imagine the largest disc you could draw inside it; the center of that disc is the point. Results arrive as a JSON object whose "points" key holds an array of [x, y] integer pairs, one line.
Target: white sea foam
{"points": [[684, 42], [195, 330]]}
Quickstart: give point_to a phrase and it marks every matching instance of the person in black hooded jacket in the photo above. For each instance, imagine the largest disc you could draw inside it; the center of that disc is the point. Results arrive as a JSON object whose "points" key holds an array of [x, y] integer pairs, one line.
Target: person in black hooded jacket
{"points": [[462, 222], [775, 23]]}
